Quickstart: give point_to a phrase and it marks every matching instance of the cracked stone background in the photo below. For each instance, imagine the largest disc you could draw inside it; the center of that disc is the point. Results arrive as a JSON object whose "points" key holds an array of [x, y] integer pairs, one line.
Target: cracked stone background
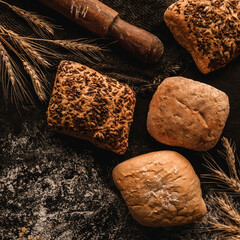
{"points": [[59, 187]]}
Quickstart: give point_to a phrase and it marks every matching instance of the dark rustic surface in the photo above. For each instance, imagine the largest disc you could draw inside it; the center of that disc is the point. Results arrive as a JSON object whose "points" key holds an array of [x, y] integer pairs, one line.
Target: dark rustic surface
{"points": [[58, 187]]}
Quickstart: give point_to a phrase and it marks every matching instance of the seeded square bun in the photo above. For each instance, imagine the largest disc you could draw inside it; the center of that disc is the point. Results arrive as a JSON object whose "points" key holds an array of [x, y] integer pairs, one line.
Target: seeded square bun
{"points": [[187, 113], [91, 106], [208, 29], [160, 189]]}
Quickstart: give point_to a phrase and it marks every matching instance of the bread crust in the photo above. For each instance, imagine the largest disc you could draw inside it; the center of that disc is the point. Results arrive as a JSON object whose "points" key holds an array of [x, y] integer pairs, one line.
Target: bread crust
{"points": [[160, 188], [91, 106], [187, 113], [208, 29]]}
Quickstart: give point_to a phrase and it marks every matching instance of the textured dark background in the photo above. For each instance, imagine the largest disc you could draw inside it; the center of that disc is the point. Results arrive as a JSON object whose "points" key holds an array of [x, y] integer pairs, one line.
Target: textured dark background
{"points": [[58, 187]]}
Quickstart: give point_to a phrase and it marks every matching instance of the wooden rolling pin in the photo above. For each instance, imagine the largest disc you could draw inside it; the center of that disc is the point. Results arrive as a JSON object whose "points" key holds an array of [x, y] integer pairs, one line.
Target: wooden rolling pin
{"points": [[105, 22]]}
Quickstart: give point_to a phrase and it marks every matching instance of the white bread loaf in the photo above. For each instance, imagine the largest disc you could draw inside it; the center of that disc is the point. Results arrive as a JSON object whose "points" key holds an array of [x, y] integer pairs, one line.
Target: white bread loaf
{"points": [[160, 189]]}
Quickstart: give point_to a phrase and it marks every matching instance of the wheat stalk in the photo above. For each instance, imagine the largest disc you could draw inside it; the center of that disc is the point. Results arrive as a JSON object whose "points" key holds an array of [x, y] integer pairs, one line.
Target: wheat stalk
{"points": [[9, 69], [75, 45], [7, 63], [226, 229], [230, 157], [35, 75], [32, 50], [25, 46], [33, 55], [217, 174], [225, 221], [36, 80], [79, 46], [37, 23], [231, 183], [228, 209]]}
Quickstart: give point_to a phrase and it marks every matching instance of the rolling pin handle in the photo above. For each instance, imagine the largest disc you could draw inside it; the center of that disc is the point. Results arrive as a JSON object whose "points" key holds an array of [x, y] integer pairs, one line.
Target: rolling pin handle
{"points": [[142, 44]]}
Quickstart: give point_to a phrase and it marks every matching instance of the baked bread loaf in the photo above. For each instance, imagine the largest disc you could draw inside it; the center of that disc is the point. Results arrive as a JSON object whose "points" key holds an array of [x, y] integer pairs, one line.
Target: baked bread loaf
{"points": [[187, 113], [90, 106], [208, 29], [160, 188]]}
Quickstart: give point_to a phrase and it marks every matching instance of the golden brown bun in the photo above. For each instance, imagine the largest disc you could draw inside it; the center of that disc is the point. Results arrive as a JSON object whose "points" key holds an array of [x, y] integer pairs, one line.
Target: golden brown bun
{"points": [[208, 29], [91, 106], [187, 113], [160, 188]]}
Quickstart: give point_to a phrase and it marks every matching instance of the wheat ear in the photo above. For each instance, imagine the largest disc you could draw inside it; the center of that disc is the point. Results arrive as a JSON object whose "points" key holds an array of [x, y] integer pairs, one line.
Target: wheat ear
{"points": [[35, 76], [80, 46], [25, 46], [36, 22], [230, 157], [225, 220], [227, 229], [9, 69], [75, 45], [36, 80], [217, 174], [228, 209], [7, 63]]}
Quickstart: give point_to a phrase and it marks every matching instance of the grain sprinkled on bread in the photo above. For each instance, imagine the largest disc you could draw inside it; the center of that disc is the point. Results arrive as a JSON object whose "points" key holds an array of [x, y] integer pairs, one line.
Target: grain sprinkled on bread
{"points": [[91, 106], [208, 29]]}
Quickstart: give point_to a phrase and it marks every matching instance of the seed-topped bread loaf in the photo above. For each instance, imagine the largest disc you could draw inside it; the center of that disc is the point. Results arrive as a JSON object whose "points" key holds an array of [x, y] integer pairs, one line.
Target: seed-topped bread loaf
{"points": [[208, 29], [90, 106]]}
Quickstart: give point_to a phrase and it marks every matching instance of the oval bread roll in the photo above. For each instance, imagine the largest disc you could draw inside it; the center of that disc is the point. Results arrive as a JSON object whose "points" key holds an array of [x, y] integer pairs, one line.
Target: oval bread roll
{"points": [[160, 189], [187, 113]]}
